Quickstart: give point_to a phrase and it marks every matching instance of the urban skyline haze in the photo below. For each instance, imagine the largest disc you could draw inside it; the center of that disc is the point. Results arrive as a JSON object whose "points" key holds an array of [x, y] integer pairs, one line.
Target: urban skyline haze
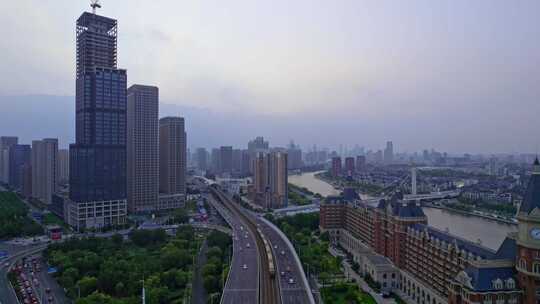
{"points": [[457, 76]]}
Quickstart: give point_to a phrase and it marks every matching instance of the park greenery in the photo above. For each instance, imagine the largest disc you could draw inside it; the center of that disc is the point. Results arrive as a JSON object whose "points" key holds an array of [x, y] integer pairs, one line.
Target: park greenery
{"points": [[296, 198], [370, 189], [245, 204], [52, 219], [467, 205], [345, 293], [304, 190], [99, 270], [312, 248], [301, 189], [14, 220], [216, 268], [365, 188], [452, 173], [303, 231], [180, 216]]}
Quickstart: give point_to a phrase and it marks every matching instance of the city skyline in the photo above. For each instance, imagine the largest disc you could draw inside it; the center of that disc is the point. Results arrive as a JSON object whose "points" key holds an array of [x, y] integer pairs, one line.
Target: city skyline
{"points": [[306, 152], [448, 84]]}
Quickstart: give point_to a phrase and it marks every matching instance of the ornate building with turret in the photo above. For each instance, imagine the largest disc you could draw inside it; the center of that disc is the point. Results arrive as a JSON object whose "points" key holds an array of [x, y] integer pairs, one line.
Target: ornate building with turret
{"points": [[433, 266], [528, 240]]}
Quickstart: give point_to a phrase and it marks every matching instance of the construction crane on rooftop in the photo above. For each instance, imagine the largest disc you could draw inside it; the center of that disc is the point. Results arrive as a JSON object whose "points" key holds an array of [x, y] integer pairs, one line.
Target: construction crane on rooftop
{"points": [[95, 4]]}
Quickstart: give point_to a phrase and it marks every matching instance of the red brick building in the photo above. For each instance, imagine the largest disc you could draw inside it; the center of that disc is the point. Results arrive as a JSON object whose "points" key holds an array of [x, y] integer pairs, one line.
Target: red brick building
{"points": [[336, 166], [436, 267], [349, 166]]}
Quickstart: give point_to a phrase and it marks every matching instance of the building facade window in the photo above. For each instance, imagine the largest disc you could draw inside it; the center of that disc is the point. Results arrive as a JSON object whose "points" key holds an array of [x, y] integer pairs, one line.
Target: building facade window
{"points": [[497, 284], [536, 267], [522, 264]]}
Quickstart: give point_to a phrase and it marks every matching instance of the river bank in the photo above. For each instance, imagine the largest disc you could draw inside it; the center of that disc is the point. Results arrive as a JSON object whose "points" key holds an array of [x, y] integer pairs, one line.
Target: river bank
{"points": [[484, 216], [314, 184], [468, 226]]}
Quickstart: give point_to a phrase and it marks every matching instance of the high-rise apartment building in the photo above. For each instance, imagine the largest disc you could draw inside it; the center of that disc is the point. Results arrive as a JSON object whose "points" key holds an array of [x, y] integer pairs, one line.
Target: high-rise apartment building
{"points": [[294, 156], [98, 157], [360, 163], [378, 157], [172, 155], [44, 169], [245, 165], [142, 148], [389, 153], [349, 166], [202, 159], [63, 165], [5, 143], [19, 156], [214, 160], [336, 166], [225, 159], [270, 188], [278, 179], [240, 162], [260, 177], [258, 145], [236, 161], [26, 180]]}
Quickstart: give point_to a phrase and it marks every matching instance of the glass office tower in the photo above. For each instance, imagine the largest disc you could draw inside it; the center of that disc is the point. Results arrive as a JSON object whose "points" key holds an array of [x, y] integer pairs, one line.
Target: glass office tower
{"points": [[98, 157]]}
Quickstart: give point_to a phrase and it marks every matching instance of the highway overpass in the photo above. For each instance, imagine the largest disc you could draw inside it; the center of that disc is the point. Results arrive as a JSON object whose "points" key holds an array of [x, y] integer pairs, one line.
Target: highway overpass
{"points": [[286, 283]]}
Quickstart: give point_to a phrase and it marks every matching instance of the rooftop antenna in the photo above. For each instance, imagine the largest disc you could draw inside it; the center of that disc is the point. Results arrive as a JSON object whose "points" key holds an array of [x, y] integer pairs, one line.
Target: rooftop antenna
{"points": [[94, 4]]}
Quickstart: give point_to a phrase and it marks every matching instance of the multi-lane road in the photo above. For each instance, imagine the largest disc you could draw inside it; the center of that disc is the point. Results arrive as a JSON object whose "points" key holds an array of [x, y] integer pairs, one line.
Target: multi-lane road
{"points": [[289, 285], [294, 288], [7, 294], [267, 286], [242, 283], [17, 253]]}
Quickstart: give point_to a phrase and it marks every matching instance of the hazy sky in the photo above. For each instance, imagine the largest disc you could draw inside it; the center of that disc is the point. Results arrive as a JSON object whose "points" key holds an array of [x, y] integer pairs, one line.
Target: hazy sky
{"points": [[458, 75]]}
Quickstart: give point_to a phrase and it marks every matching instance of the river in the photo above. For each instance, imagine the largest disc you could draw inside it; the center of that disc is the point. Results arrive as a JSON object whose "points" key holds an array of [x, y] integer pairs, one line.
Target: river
{"points": [[308, 180], [490, 233]]}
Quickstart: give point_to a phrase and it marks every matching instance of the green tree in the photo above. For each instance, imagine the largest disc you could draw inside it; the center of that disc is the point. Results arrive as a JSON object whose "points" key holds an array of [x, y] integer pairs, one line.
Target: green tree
{"points": [[117, 239], [210, 270], [180, 216], [87, 285], [71, 275], [172, 257], [325, 237], [219, 239], [98, 298], [214, 252], [351, 296], [169, 278], [145, 238], [119, 289], [67, 281], [182, 278], [324, 277], [186, 233], [211, 283], [158, 295]]}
